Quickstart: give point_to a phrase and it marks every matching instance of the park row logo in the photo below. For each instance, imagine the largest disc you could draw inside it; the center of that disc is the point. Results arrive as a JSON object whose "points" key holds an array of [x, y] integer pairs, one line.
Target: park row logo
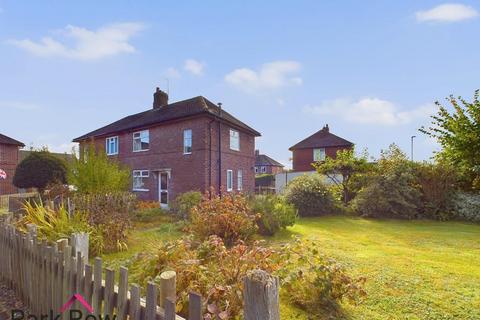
{"points": [[74, 314]]}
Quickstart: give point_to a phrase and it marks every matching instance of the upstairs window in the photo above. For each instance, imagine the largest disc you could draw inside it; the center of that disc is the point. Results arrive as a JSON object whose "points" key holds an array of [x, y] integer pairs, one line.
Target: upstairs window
{"points": [[229, 180], [319, 154], [234, 140], [256, 169], [187, 141], [111, 145], [264, 169], [141, 141], [139, 179]]}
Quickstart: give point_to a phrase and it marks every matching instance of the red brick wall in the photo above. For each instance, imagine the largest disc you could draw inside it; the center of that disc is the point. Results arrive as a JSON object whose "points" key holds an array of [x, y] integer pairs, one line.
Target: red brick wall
{"points": [[8, 163], [303, 158], [188, 171]]}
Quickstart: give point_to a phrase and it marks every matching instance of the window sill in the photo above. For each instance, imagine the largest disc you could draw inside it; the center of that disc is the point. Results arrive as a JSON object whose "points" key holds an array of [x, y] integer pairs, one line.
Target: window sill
{"points": [[185, 153], [141, 150], [235, 149], [112, 154], [141, 190]]}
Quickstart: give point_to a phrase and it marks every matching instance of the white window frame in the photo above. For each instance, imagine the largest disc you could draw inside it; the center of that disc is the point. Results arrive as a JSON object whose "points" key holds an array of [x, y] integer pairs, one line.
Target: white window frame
{"points": [[240, 180], [187, 139], [263, 169], [323, 154], [229, 180], [140, 137], [107, 145], [234, 136], [143, 174], [256, 169]]}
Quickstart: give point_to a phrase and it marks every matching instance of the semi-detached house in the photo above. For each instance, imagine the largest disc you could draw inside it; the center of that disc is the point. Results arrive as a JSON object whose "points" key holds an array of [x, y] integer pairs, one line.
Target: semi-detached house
{"points": [[178, 147]]}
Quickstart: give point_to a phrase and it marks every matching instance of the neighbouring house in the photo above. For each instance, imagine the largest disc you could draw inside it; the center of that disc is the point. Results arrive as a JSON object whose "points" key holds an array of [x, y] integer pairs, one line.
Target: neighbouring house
{"points": [[317, 147], [9, 156], [266, 165], [177, 147]]}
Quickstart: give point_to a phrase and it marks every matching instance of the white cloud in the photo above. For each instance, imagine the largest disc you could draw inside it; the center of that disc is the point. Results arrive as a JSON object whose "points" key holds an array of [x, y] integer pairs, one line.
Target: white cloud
{"points": [[83, 44], [194, 67], [272, 75], [448, 12], [18, 105], [370, 111], [172, 73]]}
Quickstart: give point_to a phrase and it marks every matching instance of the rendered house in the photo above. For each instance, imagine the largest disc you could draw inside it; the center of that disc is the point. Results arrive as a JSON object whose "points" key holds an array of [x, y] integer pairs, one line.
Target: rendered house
{"points": [[266, 165], [316, 147], [9, 155], [174, 148]]}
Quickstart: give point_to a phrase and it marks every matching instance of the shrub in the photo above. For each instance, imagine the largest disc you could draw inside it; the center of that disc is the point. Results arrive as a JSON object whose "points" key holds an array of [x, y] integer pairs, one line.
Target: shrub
{"points": [[209, 268], [227, 217], [310, 195], [38, 170], [273, 213], [141, 205], [467, 206], [437, 185], [392, 189], [265, 180], [149, 215], [94, 173], [315, 282], [110, 214], [185, 202]]}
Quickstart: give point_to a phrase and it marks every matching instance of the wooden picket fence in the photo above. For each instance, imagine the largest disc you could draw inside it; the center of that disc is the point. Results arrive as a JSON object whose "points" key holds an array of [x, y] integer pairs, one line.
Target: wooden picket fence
{"points": [[46, 275]]}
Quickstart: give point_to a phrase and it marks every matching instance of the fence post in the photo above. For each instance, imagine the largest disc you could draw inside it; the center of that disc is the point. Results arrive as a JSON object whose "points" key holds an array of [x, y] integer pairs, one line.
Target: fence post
{"points": [[167, 287], [79, 243], [261, 299]]}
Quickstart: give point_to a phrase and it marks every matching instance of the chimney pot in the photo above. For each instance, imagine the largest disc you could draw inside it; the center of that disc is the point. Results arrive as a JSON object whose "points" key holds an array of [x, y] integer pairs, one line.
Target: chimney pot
{"points": [[257, 152], [160, 99]]}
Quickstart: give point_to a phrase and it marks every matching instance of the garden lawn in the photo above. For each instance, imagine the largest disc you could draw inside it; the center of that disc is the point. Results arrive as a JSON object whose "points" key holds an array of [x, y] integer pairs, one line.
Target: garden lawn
{"points": [[415, 269]]}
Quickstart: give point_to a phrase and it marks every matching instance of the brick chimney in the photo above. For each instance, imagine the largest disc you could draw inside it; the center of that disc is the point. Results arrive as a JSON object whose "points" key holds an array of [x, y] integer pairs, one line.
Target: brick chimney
{"points": [[160, 99], [326, 128], [257, 152]]}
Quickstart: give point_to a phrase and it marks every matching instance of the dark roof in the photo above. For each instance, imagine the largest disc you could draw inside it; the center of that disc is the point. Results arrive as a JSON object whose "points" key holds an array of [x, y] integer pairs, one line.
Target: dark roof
{"points": [[264, 160], [322, 139], [7, 140], [173, 111]]}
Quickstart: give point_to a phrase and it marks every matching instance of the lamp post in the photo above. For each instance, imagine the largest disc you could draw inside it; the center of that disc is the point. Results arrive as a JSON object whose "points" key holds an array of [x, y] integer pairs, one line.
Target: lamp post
{"points": [[411, 147]]}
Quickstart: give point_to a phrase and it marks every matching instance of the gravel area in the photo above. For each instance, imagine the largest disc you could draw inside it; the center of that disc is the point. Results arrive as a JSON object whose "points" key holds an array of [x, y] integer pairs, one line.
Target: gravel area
{"points": [[9, 301]]}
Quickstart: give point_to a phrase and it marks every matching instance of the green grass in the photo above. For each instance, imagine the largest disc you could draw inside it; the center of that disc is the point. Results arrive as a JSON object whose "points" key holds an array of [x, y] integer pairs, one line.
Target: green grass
{"points": [[415, 269]]}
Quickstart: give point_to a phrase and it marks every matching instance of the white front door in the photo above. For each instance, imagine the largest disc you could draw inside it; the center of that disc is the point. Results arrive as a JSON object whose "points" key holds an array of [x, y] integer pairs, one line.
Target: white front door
{"points": [[163, 189]]}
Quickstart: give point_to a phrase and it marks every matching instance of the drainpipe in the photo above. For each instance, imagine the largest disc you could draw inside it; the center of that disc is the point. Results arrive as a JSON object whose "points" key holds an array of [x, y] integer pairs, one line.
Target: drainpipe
{"points": [[219, 149], [210, 158]]}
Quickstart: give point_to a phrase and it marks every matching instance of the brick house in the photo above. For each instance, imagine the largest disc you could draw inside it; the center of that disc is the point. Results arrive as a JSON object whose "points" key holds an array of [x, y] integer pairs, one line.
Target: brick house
{"points": [[266, 165], [9, 153], [174, 148], [316, 147]]}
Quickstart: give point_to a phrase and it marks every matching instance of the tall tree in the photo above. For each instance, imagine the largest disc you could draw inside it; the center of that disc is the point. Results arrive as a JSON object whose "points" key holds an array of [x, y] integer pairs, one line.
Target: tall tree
{"points": [[343, 169], [458, 132]]}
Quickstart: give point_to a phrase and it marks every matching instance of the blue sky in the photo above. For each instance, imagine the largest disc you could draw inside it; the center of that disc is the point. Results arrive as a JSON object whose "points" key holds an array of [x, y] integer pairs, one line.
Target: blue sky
{"points": [[370, 69]]}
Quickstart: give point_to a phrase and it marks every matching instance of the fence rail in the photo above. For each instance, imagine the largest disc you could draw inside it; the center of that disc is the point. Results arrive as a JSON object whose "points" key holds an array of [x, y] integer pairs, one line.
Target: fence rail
{"points": [[46, 276]]}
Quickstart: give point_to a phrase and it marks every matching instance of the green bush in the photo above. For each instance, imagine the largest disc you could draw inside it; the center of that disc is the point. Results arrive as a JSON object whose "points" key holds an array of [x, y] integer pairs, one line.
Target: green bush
{"points": [[148, 215], [437, 184], [265, 180], [185, 202], [228, 217], [467, 206], [392, 189], [273, 213], [94, 173], [310, 195], [40, 169]]}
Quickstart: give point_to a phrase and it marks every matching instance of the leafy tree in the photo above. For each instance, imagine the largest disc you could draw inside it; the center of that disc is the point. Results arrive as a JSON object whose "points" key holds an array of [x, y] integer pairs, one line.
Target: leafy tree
{"points": [[40, 169], [93, 172], [458, 132], [343, 170]]}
